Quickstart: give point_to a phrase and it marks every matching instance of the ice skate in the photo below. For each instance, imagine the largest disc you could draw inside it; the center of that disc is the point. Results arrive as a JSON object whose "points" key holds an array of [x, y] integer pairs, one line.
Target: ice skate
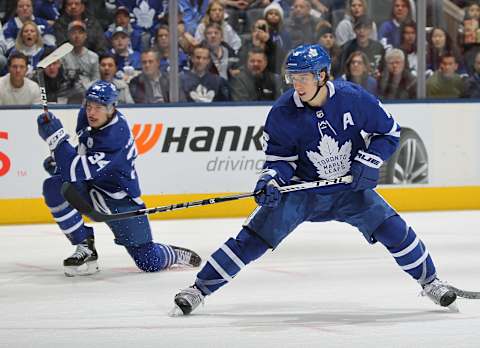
{"points": [[83, 261], [186, 257], [441, 294], [186, 301]]}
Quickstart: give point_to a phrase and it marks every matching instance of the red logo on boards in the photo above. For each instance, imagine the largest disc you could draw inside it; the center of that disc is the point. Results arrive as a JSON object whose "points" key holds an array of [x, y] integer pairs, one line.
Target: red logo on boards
{"points": [[4, 160]]}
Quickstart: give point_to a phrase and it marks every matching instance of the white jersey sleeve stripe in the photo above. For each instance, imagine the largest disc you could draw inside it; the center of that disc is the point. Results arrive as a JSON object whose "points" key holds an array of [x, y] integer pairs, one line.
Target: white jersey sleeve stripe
{"points": [[73, 175], [88, 175], [272, 158]]}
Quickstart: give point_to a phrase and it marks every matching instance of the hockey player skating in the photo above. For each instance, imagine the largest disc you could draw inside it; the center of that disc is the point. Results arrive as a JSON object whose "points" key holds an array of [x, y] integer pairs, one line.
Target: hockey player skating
{"points": [[321, 129], [102, 167]]}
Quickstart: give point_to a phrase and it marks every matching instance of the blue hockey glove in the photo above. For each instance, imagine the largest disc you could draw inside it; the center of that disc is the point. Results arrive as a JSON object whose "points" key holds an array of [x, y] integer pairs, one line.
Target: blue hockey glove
{"points": [[365, 171], [269, 195], [50, 165], [51, 130]]}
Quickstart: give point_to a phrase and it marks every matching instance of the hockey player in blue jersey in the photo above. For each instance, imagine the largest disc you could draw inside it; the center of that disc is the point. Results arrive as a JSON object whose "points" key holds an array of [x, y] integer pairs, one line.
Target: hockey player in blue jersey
{"points": [[320, 130], [102, 167]]}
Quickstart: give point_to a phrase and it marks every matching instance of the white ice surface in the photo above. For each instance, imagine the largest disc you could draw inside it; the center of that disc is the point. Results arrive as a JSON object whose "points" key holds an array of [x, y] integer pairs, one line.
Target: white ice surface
{"points": [[323, 287]]}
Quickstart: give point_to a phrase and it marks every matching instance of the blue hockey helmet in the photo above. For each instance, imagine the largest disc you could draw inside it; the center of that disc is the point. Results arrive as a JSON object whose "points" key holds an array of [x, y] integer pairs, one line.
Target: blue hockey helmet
{"points": [[307, 58], [102, 92]]}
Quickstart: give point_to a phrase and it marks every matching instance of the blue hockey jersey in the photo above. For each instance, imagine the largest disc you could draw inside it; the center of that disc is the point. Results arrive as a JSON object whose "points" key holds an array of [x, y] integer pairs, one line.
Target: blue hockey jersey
{"points": [[104, 157], [305, 143]]}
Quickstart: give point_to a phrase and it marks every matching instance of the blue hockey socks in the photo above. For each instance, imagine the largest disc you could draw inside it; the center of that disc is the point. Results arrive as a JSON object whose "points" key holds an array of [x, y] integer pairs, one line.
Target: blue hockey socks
{"points": [[407, 249], [228, 260], [152, 257], [67, 218]]}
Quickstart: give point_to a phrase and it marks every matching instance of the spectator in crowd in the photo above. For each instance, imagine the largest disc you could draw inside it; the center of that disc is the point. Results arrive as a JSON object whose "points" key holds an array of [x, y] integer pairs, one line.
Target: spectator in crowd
{"points": [[357, 71], [199, 84], [146, 15], [396, 82], [472, 84], [216, 14], [47, 9], [408, 44], [151, 86], [24, 12], [344, 31], [127, 60], [472, 10], [75, 10], [373, 49], [255, 82], [260, 37], [81, 65], [108, 71], [186, 41], [16, 88], [471, 42], [273, 14], [161, 45], [29, 42], [439, 42], [445, 82], [59, 88], [389, 33], [223, 56], [122, 19], [3, 51], [301, 24], [327, 39], [243, 13], [193, 11]]}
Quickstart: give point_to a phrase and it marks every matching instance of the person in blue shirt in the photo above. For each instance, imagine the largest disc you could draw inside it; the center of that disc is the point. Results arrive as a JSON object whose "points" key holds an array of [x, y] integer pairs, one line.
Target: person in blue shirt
{"points": [[102, 167], [320, 130]]}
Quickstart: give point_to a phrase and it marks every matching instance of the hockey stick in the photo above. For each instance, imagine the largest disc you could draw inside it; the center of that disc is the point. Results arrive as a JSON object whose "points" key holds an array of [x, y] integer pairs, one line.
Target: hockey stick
{"points": [[473, 295], [85, 208], [59, 53]]}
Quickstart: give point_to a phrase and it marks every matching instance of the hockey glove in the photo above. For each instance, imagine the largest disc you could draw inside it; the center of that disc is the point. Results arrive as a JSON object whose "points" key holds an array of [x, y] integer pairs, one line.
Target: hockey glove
{"points": [[269, 195], [365, 171], [51, 130], [50, 165]]}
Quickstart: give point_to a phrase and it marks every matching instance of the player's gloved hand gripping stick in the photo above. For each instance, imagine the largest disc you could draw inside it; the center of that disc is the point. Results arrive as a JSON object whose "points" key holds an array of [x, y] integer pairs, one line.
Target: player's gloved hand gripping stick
{"points": [[84, 207]]}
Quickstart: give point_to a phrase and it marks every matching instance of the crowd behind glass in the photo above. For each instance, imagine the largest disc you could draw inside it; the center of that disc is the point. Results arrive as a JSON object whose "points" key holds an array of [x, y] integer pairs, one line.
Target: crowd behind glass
{"points": [[231, 50]]}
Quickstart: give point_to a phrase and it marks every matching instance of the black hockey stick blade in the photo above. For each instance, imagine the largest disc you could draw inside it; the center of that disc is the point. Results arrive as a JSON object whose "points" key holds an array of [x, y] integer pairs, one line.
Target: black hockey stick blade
{"points": [[473, 295], [71, 194]]}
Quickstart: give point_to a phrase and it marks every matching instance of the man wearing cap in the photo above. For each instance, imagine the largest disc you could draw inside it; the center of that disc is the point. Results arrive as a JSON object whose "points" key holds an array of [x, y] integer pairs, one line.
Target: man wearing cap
{"points": [[81, 65], [126, 58], [122, 19], [373, 49], [76, 10]]}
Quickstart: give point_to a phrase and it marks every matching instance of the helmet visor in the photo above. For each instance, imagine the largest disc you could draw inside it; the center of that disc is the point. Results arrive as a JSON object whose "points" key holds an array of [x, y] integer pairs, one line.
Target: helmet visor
{"points": [[300, 77]]}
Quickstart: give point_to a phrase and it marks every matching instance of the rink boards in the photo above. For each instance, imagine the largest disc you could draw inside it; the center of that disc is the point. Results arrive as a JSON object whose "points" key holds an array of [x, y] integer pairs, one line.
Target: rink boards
{"points": [[189, 153]]}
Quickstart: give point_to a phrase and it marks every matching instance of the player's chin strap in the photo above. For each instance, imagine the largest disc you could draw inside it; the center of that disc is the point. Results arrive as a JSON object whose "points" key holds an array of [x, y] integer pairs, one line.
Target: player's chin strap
{"points": [[319, 87]]}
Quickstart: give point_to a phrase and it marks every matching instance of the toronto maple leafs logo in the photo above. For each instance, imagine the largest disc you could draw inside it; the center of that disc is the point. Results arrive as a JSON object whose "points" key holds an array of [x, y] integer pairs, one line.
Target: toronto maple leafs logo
{"points": [[312, 53], [144, 15], [331, 161], [202, 94]]}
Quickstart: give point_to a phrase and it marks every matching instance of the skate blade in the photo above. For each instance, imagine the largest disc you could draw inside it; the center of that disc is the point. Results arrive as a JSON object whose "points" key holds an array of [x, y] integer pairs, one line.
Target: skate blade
{"points": [[175, 312], [88, 268], [453, 307]]}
